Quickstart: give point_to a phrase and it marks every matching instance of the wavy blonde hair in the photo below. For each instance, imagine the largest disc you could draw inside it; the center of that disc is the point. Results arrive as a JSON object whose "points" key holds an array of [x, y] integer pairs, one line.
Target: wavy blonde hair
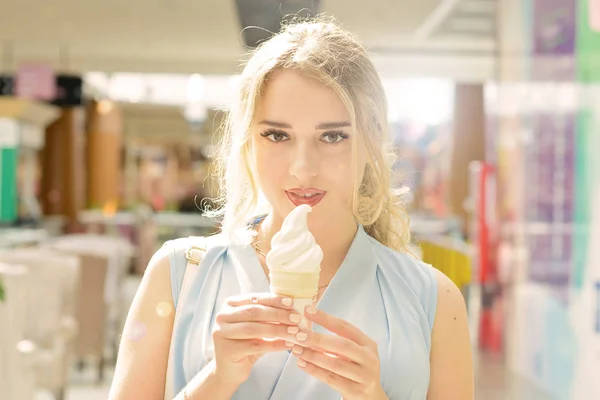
{"points": [[319, 49]]}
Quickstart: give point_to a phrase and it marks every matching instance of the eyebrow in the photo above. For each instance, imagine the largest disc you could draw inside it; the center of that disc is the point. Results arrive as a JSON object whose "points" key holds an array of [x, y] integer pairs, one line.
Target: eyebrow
{"points": [[324, 125]]}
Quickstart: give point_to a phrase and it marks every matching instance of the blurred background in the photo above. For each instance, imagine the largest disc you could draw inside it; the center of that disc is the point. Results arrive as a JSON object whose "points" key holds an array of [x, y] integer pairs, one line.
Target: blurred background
{"points": [[109, 112]]}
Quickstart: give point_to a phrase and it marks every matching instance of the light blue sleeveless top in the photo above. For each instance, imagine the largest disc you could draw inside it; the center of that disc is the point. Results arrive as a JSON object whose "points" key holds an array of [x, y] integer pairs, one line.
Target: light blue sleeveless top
{"points": [[388, 295]]}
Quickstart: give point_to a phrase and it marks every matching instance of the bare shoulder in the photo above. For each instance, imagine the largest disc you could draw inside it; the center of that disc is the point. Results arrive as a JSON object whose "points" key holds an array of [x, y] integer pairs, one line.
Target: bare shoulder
{"points": [[451, 314], [159, 267], [451, 354], [450, 299]]}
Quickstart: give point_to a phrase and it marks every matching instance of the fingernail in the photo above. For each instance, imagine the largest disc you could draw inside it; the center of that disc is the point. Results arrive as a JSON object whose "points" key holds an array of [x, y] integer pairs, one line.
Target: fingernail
{"points": [[302, 337], [292, 330], [289, 344], [295, 318], [310, 310], [297, 350], [301, 363], [286, 301]]}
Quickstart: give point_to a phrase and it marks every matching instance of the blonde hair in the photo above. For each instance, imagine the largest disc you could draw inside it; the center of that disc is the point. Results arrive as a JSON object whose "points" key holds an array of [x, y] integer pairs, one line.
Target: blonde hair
{"points": [[319, 49]]}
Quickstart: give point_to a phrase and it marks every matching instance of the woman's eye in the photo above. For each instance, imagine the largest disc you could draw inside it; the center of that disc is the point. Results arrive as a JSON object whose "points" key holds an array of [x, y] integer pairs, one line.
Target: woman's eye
{"points": [[275, 136], [334, 137]]}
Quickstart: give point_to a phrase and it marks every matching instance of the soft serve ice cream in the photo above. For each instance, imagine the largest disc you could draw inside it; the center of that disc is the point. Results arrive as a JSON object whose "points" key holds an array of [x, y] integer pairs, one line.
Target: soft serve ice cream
{"points": [[295, 261], [293, 248]]}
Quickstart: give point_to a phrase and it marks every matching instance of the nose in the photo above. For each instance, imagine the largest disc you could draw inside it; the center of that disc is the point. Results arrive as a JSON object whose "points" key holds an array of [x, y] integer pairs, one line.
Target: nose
{"points": [[304, 164]]}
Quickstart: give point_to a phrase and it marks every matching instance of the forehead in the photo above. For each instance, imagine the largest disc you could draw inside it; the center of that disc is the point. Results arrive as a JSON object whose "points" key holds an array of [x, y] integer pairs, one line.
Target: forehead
{"points": [[296, 99]]}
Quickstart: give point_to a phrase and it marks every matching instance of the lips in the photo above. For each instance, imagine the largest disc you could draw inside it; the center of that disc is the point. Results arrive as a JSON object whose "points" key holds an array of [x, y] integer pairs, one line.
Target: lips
{"points": [[305, 196]]}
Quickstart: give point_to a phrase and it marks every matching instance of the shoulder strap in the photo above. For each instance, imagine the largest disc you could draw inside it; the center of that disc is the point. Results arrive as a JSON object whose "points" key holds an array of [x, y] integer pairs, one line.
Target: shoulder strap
{"points": [[194, 255]]}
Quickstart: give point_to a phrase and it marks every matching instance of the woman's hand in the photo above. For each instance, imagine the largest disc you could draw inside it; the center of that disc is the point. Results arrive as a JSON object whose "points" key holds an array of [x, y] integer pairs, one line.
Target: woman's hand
{"points": [[349, 362], [248, 327]]}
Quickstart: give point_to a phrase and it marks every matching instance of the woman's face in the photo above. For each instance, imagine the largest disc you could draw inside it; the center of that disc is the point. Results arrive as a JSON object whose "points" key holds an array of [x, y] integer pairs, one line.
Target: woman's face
{"points": [[302, 144]]}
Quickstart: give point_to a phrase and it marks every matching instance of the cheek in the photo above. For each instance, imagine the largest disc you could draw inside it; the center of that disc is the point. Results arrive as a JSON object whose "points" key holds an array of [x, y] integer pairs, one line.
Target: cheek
{"points": [[337, 171], [270, 167]]}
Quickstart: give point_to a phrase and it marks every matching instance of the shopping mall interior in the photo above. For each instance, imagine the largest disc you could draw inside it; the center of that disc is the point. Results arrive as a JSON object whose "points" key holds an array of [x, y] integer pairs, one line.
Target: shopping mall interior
{"points": [[111, 112]]}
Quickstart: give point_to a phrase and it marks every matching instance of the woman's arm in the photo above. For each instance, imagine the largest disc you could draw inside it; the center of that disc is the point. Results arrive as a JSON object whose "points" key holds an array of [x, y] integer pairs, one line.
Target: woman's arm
{"points": [[144, 349], [451, 356]]}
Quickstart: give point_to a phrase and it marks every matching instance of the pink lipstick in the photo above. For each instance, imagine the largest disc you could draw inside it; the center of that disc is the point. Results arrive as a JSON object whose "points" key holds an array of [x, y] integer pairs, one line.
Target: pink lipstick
{"points": [[305, 196]]}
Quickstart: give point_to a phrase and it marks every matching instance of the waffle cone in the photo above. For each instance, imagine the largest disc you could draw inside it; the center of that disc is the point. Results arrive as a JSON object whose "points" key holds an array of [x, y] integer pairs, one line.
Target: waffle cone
{"points": [[302, 285]]}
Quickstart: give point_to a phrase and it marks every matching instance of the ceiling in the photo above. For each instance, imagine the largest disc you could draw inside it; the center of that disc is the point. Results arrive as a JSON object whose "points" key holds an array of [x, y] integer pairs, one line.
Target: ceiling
{"points": [[434, 37]]}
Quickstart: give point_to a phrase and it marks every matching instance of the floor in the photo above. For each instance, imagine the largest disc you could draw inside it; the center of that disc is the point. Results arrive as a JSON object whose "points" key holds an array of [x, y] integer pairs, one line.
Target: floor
{"points": [[493, 381]]}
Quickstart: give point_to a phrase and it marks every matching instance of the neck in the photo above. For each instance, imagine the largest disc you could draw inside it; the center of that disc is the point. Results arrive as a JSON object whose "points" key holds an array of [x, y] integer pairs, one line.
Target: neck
{"points": [[334, 239]]}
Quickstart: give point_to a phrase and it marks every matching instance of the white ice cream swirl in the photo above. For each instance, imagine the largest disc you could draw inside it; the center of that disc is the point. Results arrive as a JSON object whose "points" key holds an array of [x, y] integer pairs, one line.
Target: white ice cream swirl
{"points": [[293, 248]]}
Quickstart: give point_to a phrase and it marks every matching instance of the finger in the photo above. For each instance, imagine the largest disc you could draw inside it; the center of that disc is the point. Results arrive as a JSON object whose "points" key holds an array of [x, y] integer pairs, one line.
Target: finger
{"points": [[334, 345], [265, 299], [337, 365], [238, 349], [259, 313], [256, 330], [338, 326], [340, 384]]}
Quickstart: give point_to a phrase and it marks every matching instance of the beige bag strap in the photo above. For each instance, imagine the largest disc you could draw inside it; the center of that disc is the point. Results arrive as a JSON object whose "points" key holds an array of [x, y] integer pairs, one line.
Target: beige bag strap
{"points": [[194, 255]]}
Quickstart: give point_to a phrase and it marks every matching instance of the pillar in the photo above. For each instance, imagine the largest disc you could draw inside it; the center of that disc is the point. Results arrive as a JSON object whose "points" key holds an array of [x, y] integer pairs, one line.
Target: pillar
{"points": [[104, 153], [63, 168], [468, 144]]}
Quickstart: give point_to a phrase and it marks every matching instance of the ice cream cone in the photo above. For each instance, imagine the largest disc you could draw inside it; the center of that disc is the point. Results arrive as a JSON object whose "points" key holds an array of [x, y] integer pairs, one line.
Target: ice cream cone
{"points": [[295, 262], [302, 287], [295, 284]]}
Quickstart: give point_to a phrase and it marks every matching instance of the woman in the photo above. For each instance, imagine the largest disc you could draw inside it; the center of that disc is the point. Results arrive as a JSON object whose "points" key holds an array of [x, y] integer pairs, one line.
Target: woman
{"points": [[309, 127]]}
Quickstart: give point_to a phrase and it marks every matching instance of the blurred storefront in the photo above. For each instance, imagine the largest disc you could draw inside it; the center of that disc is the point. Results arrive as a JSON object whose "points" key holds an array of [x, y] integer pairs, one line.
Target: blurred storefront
{"points": [[543, 128]]}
